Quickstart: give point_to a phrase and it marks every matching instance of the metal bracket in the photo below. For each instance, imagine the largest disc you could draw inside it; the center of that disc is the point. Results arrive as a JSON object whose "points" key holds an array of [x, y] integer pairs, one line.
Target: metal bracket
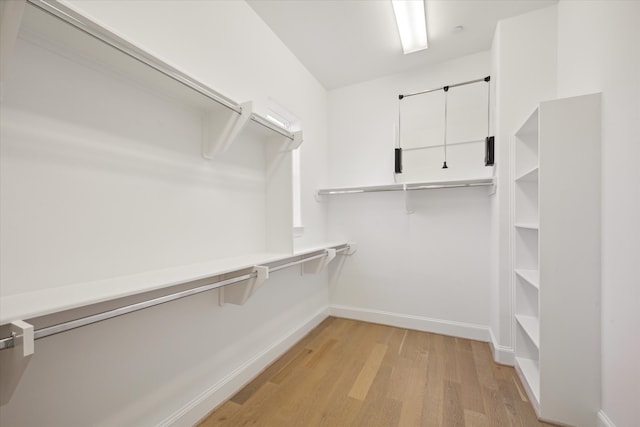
{"points": [[315, 266], [239, 293]]}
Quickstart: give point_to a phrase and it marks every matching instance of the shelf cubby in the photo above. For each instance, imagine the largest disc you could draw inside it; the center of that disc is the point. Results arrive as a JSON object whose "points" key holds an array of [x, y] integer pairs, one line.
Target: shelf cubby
{"points": [[531, 326]]}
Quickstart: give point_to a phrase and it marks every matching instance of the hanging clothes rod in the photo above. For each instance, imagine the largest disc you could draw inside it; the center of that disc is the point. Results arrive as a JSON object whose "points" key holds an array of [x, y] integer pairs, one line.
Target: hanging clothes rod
{"points": [[94, 30], [9, 342], [446, 88], [408, 186]]}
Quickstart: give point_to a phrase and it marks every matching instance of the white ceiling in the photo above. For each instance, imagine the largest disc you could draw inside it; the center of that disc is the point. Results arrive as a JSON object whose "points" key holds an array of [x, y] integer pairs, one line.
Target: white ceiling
{"points": [[342, 42]]}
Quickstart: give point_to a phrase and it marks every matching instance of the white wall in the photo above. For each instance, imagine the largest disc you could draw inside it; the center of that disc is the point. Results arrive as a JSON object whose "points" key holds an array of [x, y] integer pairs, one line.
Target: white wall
{"points": [[115, 184], [598, 52], [427, 270], [362, 118], [524, 66]]}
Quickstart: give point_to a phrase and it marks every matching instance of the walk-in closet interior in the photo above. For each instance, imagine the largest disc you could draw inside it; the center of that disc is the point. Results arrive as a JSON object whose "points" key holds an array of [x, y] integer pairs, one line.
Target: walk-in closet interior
{"points": [[191, 189]]}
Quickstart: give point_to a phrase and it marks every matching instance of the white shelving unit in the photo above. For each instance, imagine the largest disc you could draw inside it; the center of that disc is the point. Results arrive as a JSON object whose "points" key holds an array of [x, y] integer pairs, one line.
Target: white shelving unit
{"points": [[556, 260]]}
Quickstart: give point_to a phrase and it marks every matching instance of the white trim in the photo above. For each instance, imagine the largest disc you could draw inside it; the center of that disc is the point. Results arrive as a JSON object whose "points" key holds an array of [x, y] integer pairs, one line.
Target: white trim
{"points": [[501, 354], [604, 420], [438, 326], [198, 408]]}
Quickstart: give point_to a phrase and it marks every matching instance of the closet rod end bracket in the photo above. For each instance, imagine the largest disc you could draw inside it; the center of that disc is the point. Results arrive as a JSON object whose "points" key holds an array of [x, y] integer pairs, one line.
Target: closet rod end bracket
{"points": [[23, 337]]}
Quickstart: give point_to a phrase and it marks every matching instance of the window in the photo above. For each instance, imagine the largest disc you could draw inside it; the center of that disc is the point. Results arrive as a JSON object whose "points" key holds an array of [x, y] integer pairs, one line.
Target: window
{"points": [[282, 117]]}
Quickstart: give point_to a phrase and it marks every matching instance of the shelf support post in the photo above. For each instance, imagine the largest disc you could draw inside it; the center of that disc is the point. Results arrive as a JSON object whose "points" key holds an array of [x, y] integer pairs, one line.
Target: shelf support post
{"points": [[239, 293], [315, 266], [408, 206], [217, 136]]}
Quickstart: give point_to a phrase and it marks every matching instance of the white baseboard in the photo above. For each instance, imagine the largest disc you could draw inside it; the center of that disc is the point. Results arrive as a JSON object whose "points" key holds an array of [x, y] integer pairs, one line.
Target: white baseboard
{"points": [[603, 420], [438, 326], [218, 393], [502, 354]]}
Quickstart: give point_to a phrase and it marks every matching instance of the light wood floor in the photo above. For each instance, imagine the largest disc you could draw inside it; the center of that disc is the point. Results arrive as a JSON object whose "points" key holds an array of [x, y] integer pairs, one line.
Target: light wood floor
{"points": [[351, 373]]}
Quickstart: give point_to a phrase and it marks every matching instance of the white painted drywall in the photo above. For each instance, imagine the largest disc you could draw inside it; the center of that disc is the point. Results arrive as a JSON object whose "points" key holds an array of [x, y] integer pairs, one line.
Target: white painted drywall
{"points": [[363, 118], [120, 187], [598, 52], [524, 65], [433, 265]]}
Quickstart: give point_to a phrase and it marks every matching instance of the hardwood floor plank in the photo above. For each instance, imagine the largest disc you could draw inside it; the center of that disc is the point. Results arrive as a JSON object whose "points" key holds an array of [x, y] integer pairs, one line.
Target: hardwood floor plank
{"points": [[351, 373], [250, 410], [451, 364], [299, 359], [453, 413], [433, 405], [362, 384], [413, 396], [475, 419], [321, 355], [483, 360], [467, 370], [222, 414]]}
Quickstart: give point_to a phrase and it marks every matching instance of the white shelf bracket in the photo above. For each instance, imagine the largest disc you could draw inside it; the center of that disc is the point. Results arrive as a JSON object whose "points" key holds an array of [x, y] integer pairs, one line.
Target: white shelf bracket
{"points": [[13, 365], [315, 266], [219, 135], [408, 205], [23, 336], [297, 140], [493, 188], [239, 293]]}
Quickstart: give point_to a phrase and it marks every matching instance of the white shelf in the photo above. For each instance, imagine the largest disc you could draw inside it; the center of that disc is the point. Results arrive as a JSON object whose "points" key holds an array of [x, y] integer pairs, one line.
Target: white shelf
{"points": [[530, 175], [408, 186], [530, 126], [531, 326], [530, 374], [531, 277], [59, 27], [48, 301], [527, 226]]}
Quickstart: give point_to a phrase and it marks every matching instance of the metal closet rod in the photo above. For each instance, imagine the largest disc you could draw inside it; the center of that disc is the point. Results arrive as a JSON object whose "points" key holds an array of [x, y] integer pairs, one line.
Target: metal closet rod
{"points": [[408, 187], [94, 318], [446, 88], [94, 30]]}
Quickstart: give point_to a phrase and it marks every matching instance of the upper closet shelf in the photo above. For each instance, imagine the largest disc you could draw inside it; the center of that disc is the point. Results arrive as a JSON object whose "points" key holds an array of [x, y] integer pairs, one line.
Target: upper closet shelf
{"points": [[59, 27], [409, 186]]}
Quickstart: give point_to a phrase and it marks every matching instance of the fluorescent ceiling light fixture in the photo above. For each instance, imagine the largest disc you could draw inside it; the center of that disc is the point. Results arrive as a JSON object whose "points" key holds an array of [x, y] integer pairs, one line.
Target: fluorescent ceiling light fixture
{"points": [[412, 24]]}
